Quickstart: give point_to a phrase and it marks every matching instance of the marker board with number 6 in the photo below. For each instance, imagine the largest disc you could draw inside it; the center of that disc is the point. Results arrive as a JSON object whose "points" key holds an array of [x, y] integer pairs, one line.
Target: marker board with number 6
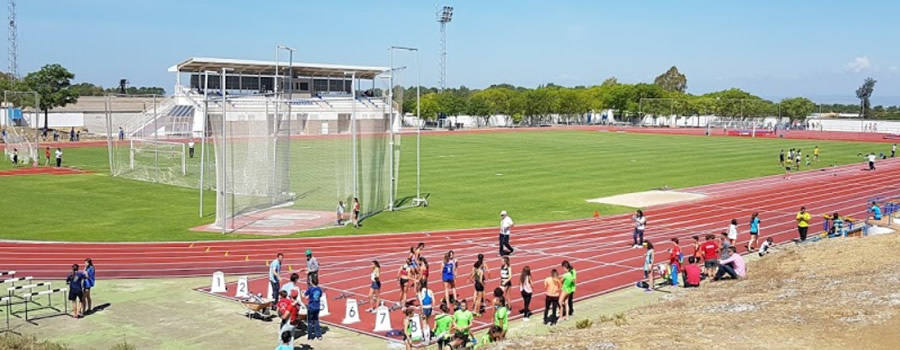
{"points": [[351, 312]]}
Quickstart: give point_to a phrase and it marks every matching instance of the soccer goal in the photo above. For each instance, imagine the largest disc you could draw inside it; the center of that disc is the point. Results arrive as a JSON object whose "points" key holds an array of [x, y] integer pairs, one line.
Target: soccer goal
{"points": [[19, 122], [168, 157]]}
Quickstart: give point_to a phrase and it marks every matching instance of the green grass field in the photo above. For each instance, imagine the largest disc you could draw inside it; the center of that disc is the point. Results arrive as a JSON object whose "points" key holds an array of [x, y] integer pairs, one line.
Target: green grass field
{"points": [[536, 176]]}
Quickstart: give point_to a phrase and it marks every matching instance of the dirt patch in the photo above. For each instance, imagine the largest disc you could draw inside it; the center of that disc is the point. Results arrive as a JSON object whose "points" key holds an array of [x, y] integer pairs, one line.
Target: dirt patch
{"points": [[648, 198], [42, 171], [276, 222], [826, 295]]}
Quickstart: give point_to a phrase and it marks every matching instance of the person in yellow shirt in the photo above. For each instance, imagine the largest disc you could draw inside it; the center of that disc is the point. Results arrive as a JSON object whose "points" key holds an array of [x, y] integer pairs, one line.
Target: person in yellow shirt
{"points": [[803, 218], [816, 154]]}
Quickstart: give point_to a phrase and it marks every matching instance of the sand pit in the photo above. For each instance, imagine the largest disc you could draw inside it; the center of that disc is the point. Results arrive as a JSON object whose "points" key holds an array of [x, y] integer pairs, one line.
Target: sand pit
{"points": [[648, 198]]}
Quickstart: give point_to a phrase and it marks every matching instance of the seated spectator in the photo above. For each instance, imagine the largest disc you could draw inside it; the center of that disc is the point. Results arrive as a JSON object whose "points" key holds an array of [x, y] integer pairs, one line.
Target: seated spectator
{"points": [[876, 212], [733, 266], [493, 335], [692, 273], [766, 246], [837, 226]]}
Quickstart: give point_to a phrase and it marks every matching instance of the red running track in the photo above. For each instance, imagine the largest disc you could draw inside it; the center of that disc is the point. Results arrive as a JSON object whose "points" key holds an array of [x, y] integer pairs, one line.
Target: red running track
{"points": [[598, 248]]}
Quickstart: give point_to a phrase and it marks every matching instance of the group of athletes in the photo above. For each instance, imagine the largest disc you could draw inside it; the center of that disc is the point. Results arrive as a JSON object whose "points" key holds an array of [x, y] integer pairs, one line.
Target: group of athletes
{"points": [[794, 158], [448, 321]]}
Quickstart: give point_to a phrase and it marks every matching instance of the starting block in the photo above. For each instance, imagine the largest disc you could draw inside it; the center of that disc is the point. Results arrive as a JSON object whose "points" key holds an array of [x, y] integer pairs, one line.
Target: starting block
{"points": [[342, 296]]}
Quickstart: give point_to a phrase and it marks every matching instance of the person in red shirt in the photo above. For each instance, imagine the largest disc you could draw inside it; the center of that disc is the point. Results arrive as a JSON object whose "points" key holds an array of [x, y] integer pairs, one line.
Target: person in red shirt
{"points": [[691, 273], [675, 261], [287, 310], [710, 255], [697, 252]]}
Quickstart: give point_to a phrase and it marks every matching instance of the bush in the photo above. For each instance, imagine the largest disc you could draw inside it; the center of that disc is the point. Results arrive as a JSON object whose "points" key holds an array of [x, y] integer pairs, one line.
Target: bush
{"points": [[583, 324], [12, 342]]}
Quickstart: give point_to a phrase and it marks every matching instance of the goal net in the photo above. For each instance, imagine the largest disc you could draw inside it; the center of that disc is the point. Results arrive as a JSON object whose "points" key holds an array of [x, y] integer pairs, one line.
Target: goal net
{"points": [[143, 142], [19, 125], [252, 155], [303, 153]]}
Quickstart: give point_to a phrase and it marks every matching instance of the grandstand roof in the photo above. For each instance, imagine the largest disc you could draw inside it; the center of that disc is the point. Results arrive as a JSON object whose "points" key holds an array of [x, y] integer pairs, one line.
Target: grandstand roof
{"points": [[201, 64]]}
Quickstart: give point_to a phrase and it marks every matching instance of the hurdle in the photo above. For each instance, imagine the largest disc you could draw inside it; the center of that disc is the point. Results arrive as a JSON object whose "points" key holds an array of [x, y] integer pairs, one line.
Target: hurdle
{"points": [[5, 300], [9, 274], [12, 280], [12, 290], [46, 292]]}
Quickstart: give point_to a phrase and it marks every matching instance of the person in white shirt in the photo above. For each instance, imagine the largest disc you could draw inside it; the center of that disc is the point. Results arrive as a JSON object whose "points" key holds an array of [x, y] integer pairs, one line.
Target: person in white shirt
{"points": [[58, 157], [340, 212], [893, 150], [732, 231], [871, 161], [191, 148], [640, 223], [506, 224]]}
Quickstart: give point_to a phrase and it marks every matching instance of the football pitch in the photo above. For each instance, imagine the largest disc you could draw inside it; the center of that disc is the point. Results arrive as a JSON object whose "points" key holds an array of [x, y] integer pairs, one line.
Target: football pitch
{"points": [[537, 176]]}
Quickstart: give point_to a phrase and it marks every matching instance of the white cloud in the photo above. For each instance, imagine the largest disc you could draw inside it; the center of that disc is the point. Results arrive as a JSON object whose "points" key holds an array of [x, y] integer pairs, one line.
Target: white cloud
{"points": [[894, 69], [859, 64]]}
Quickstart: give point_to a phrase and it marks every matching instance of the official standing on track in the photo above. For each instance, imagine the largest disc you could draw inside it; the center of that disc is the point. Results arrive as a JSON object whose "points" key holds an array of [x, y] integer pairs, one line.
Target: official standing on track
{"points": [[275, 277], [640, 223], [803, 223], [58, 157], [312, 268], [506, 224]]}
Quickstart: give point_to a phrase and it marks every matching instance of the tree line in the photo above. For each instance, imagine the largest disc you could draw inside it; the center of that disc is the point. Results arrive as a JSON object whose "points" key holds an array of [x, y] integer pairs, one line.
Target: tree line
{"points": [[53, 83], [665, 96]]}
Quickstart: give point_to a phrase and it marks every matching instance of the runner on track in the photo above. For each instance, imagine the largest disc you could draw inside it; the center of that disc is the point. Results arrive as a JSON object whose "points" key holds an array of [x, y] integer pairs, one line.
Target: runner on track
{"points": [[448, 276], [732, 232], [477, 277], [754, 231], [375, 288], [506, 277]]}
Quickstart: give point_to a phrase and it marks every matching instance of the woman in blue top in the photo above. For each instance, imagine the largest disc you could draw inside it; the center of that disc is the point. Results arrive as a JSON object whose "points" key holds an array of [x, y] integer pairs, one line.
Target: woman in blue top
{"points": [[314, 296], [754, 231], [448, 275], [88, 284]]}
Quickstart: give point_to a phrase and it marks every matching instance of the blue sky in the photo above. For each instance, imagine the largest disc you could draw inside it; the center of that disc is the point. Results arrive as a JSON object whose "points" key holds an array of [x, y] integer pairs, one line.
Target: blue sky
{"points": [[819, 49]]}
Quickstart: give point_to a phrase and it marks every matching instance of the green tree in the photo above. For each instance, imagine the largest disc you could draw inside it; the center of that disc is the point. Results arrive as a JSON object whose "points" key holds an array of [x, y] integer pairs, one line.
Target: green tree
{"points": [[863, 94], [672, 80], [797, 107], [53, 83], [479, 106], [610, 82]]}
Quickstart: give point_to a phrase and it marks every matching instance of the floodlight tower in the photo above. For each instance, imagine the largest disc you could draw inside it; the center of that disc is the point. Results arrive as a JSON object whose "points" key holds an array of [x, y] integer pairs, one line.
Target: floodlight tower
{"points": [[444, 16], [12, 65]]}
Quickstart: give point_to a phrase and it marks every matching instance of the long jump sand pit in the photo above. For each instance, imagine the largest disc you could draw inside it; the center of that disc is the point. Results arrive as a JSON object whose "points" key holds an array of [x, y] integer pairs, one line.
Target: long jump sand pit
{"points": [[648, 198]]}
